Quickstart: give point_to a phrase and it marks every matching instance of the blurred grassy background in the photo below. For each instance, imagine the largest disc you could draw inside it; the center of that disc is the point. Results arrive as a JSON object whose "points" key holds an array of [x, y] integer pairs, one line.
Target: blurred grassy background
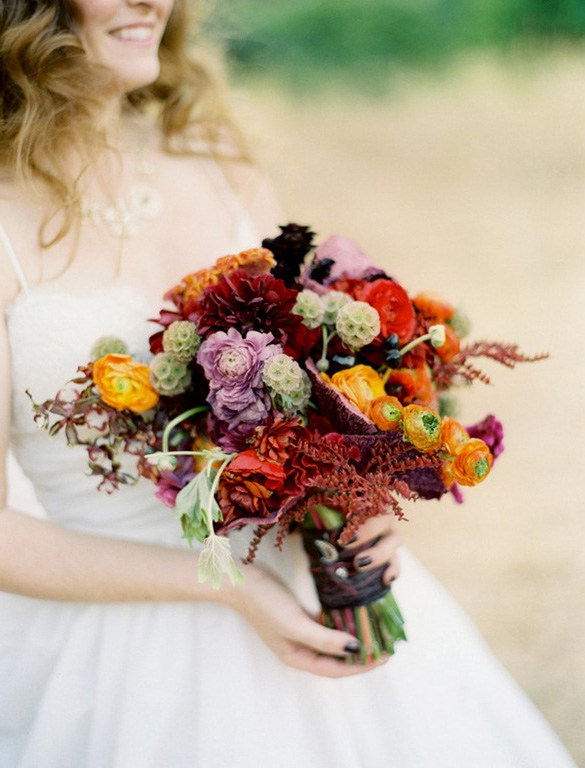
{"points": [[363, 41], [447, 137]]}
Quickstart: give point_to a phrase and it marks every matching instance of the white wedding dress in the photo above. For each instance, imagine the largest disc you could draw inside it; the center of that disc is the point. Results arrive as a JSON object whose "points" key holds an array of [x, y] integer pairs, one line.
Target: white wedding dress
{"points": [[184, 685]]}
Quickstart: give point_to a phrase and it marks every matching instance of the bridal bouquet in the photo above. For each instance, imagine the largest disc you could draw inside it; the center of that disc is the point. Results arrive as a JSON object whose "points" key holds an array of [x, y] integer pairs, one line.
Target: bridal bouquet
{"points": [[290, 387]]}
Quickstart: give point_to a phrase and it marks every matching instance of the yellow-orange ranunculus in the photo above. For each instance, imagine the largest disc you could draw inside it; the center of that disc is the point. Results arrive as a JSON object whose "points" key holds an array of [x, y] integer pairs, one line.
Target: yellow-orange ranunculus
{"points": [[453, 435], [124, 383], [422, 427], [386, 412], [472, 462], [360, 384]]}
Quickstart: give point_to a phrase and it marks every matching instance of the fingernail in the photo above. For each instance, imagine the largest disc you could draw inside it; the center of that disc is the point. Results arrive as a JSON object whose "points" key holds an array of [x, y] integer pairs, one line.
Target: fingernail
{"points": [[352, 646], [353, 539], [363, 561]]}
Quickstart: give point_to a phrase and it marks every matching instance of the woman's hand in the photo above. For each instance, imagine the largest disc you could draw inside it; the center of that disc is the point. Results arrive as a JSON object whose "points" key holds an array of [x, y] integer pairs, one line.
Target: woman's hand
{"points": [[287, 629], [383, 550]]}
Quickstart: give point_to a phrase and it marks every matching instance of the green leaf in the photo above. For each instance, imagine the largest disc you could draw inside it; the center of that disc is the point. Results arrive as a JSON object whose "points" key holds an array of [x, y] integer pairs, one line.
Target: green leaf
{"points": [[217, 559], [192, 505]]}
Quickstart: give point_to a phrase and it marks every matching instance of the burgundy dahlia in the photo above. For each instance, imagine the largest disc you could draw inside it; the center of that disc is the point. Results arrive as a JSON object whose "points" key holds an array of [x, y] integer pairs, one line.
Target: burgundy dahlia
{"points": [[260, 303]]}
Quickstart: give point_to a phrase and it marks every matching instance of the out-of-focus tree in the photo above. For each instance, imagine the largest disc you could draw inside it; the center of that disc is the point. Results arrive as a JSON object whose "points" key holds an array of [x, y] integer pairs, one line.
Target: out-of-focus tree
{"points": [[295, 39]]}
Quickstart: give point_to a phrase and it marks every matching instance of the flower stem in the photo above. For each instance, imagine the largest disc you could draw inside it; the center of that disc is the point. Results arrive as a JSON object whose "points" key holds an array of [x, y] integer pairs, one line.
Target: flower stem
{"points": [[177, 420], [331, 518], [412, 344], [326, 339]]}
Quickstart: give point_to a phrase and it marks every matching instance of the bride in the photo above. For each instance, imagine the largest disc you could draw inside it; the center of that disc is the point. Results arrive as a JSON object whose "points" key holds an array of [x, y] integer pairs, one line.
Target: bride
{"points": [[121, 172]]}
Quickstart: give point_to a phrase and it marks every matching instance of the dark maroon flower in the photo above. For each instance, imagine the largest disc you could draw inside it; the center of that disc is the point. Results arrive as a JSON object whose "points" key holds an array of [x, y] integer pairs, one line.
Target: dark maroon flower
{"points": [[248, 303], [289, 249]]}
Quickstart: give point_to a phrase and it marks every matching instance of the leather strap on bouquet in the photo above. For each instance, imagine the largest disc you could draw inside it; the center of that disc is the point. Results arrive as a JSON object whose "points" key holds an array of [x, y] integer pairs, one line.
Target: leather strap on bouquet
{"points": [[338, 583]]}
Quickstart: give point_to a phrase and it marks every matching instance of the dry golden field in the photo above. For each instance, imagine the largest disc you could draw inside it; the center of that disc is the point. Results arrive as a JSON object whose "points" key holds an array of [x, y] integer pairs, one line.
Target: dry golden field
{"points": [[473, 184]]}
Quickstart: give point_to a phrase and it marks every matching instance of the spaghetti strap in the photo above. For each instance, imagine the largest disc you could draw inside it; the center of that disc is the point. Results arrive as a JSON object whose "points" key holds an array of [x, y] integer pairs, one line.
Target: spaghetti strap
{"points": [[11, 253], [244, 233]]}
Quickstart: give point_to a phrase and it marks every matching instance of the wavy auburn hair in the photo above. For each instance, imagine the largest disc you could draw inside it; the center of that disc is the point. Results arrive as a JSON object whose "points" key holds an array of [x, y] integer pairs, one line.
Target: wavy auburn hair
{"points": [[49, 98]]}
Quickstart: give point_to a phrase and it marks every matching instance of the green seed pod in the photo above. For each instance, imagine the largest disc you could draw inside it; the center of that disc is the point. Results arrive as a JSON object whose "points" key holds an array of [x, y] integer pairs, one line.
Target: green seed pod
{"points": [[181, 340], [310, 307], [169, 376], [357, 324]]}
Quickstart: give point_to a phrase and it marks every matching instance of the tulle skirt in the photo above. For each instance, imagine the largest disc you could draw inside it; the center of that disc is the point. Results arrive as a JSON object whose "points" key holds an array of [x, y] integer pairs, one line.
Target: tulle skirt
{"points": [[185, 685]]}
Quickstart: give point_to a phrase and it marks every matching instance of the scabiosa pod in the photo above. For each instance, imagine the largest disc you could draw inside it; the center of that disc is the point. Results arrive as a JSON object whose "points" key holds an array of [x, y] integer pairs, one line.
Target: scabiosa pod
{"points": [[181, 340], [289, 385], [460, 323], [107, 345], [332, 303], [282, 374], [295, 402], [169, 376], [357, 324], [309, 306]]}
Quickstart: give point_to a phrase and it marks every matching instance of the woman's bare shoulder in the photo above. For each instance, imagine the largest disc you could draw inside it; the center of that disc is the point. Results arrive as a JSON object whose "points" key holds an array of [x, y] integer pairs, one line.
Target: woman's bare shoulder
{"points": [[244, 174], [19, 221]]}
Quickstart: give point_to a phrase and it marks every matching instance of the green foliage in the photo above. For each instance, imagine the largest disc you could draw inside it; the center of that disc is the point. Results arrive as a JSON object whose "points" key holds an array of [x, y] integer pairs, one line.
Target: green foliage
{"points": [[302, 39]]}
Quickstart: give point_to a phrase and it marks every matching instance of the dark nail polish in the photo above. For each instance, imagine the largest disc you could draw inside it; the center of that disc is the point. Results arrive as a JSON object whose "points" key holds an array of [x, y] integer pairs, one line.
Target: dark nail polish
{"points": [[363, 561], [352, 647], [353, 539]]}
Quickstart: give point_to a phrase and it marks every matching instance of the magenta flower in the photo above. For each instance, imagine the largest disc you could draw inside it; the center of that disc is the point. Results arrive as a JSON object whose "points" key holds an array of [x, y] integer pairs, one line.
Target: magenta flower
{"points": [[491, 431], [233, 366]]}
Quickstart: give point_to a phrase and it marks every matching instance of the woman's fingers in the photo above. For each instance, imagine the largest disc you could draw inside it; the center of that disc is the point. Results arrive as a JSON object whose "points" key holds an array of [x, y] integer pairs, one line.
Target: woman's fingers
{"points": [[308, 660], [382, 525], [330, 642], [383, 551]]}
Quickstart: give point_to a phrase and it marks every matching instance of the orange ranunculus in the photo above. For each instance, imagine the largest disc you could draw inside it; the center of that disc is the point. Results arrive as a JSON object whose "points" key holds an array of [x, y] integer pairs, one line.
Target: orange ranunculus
{"points": [[123, 383], [386, 412], [446, 472], [411, 384], [422, 427], [472, 462], [433, 307], [360, 384], [450, 347], [255, 261], [453, 435]]}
